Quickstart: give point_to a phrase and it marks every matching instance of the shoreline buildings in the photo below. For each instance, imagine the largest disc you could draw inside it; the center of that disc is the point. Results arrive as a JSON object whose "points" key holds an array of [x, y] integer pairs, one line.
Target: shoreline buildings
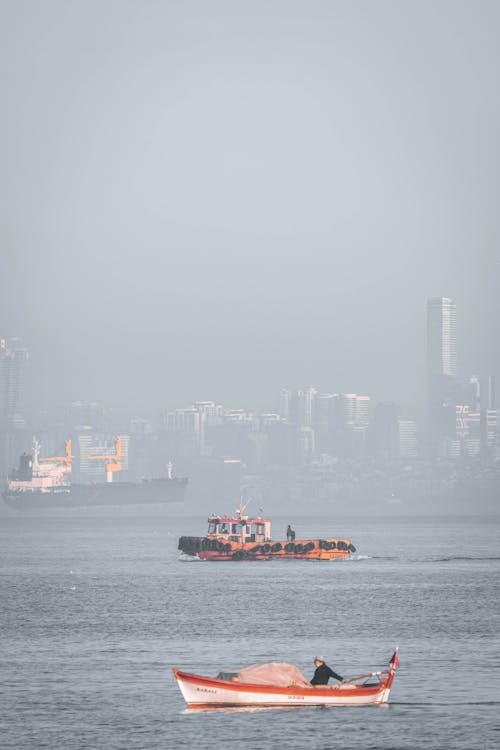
{"points": [[316, 444]]}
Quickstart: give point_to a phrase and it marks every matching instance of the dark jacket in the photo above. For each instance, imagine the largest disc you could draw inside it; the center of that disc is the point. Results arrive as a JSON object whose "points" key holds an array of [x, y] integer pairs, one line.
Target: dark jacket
{"points": [[323, 674]]}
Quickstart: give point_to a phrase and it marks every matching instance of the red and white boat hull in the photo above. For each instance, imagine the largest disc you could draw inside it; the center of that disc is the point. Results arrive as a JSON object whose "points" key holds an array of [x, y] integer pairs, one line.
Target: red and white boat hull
{"points": [[205, 692]]}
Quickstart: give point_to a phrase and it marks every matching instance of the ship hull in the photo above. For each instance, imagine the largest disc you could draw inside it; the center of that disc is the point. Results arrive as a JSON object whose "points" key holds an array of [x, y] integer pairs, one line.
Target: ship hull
{"points": [[116, 493], [221, 550]]}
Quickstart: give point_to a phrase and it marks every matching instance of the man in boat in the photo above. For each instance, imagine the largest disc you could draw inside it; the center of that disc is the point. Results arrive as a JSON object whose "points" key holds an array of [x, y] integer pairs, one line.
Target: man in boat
{"points": [[323, 673], [289, 533]]}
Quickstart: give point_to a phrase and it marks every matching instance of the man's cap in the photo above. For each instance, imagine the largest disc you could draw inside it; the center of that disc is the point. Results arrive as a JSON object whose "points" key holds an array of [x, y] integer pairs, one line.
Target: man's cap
{"points": [[319, 658]]}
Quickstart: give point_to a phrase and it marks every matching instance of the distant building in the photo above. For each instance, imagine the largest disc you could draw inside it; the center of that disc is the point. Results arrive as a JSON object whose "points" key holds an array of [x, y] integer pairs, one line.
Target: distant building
{"points": [[285, 397], [351, 424], [476, 432], [84, 415], [187, 427], [306, 446], [89, 445], [301, 407], [407, 438], [325, 417], [385, 431], [140, 427], [214, 413], [441, 355], [492, 392], [13, 363]]}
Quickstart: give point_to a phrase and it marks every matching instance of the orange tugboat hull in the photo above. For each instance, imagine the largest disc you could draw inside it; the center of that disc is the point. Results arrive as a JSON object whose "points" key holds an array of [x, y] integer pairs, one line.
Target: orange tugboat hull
{"points": [[308, 549]]}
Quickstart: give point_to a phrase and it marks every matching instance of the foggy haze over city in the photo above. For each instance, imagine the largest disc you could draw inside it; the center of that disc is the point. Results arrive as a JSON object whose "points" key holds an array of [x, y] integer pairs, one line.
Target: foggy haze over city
{"points": [[216, 200], [250, 319]]}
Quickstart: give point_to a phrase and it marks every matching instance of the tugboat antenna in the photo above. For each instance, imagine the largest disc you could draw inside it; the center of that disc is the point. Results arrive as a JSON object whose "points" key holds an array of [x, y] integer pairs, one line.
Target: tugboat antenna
{"points": [[242, 508]]}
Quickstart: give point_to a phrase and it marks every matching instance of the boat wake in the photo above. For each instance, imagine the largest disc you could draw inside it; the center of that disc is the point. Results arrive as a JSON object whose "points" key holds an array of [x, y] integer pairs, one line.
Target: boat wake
{"points": [[189, 558], [465, 558]]}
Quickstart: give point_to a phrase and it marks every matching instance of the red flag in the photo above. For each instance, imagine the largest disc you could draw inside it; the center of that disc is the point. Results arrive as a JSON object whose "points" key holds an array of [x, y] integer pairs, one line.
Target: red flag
{"points": [[394, 659]]}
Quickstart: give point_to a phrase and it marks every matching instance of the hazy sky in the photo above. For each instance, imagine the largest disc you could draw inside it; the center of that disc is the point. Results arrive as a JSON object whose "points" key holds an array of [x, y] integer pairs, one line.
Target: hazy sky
{"points": [[214, 199]]}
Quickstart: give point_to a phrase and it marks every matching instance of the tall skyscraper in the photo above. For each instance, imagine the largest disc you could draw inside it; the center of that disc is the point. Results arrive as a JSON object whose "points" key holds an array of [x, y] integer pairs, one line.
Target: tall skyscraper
{"points": [[13, 360], [441, 361]]}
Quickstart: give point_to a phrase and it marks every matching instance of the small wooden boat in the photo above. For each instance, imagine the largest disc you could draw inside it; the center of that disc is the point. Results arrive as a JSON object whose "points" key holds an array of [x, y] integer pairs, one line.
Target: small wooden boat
{"points": [[240, 538], [227, 690]]}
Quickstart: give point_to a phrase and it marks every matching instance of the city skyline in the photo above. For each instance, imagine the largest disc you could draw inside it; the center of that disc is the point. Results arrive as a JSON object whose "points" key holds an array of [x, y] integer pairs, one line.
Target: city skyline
{"points": [[439, 367], [307, 427]]}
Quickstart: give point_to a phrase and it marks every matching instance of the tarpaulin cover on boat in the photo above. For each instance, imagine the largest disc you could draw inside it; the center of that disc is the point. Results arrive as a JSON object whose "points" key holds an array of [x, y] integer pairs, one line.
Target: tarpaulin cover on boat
{"points": [[275, 673]]}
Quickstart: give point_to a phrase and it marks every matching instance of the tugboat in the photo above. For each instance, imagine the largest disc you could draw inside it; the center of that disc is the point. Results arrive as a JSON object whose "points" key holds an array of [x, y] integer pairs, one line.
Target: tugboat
{"points": [[244, 538]]}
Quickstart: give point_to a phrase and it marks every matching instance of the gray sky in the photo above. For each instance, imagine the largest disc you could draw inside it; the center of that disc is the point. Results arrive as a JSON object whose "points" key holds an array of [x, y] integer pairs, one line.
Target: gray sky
{"points": [[215, 199]]}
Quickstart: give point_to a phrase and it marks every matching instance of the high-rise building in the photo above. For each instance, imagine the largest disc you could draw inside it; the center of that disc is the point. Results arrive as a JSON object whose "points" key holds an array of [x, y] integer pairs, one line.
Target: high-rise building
{"points": [[408, 438], [13, 360], [353, 410], [352, 420], [441, 336], [491, 393], [441, 361], [285, 397], [300, 406]]}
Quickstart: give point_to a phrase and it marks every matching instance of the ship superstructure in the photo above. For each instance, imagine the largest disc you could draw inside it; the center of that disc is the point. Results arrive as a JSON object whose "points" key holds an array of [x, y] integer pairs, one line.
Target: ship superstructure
{"points": [[41, 475]]}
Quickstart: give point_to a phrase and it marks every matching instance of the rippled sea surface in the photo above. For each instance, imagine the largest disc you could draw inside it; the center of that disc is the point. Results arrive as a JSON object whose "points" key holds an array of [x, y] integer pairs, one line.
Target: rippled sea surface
{"points": [[97, 610]]}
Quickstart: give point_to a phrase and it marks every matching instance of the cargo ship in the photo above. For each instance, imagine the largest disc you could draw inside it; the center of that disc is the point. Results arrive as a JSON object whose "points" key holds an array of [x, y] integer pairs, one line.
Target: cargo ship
{"points": [[240, 537], [45, 483]]}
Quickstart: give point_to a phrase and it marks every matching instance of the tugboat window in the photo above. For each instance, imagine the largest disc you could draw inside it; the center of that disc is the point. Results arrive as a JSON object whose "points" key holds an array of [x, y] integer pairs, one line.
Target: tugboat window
{"points": [[224, 528], [211, 528], [237, 528], [259, 528]]}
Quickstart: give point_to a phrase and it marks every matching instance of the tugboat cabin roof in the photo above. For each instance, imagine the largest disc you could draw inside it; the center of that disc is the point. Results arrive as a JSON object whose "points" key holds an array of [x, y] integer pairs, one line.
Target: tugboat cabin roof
{"points": [[235, 519]]}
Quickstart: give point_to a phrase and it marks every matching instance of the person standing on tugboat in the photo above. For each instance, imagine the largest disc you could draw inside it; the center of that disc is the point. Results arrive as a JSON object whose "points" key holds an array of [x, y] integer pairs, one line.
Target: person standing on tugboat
{"points": [[290, 534]]}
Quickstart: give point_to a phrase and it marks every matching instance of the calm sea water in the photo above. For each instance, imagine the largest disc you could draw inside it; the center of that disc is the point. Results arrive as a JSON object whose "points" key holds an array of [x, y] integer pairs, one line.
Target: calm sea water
{"points": [[97, 610]]}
